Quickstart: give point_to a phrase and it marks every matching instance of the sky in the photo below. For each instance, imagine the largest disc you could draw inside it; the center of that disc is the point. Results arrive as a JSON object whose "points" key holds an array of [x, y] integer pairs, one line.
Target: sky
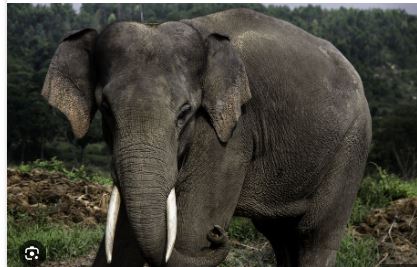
{"points": [[409, 8]]}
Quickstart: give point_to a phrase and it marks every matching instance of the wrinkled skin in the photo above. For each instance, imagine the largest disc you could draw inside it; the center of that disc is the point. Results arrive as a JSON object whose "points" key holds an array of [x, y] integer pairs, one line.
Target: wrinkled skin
{"points": [[241, 113]]}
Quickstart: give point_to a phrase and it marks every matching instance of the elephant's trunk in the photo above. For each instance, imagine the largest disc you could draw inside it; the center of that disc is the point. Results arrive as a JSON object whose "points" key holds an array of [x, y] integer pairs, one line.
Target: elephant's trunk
{"points": [[146, 173], [112, 216]]}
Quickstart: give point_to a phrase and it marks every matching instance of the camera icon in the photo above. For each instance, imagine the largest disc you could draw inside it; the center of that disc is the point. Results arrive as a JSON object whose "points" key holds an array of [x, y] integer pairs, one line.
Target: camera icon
{"points": [[31, 253]]}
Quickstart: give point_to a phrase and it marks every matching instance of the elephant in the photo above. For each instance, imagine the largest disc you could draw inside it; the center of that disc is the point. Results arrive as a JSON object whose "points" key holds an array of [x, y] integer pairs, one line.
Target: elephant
{"points": [[231, 114]]}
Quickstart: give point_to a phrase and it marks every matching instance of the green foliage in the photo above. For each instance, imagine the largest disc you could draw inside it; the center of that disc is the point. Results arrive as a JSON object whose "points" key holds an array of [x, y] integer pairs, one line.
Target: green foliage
{"points": [[49, 165], [80, 173], [378, 190], [359, 212], [32, 35], [242, 229], [60, 241], [357, 251], [382, 188], [396, 143]]}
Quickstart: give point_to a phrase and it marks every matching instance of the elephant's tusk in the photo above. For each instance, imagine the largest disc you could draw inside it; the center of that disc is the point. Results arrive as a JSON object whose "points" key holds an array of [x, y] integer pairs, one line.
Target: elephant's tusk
{"points": [[171, 223], [112, 214]]}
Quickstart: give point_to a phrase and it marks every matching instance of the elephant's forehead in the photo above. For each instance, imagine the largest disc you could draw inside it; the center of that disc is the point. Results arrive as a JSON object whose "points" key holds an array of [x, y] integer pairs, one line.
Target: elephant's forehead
{"points": [[129, 39], [137, 42]]}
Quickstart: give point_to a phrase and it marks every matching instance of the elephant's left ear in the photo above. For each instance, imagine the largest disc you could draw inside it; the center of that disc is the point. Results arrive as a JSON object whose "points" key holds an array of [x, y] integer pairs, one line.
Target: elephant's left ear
{"points": [[70, 81], [225, 85]]}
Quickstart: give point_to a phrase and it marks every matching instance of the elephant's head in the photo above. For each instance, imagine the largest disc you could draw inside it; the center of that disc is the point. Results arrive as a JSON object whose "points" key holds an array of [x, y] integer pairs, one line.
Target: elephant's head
{"points": [[149, 83]]}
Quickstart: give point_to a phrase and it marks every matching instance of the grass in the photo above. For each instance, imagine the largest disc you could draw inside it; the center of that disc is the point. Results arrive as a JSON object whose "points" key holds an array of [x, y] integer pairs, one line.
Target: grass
{"points": [[252, 249], [80, 173], [242, 230], [354, 251], [378, 190], [61, 241], [357, 251]]}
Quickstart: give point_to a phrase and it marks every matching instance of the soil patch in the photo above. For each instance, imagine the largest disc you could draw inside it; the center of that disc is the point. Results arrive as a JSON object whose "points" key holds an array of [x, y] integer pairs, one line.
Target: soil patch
{"points": [[57, 198], [395, 228]]}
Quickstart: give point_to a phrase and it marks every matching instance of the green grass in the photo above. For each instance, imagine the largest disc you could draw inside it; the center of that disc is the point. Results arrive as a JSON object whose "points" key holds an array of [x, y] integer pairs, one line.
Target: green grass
{"points": [[382, 188], [61, 241], [357, 251], [80, 173], [378, 190], [242, 230]]}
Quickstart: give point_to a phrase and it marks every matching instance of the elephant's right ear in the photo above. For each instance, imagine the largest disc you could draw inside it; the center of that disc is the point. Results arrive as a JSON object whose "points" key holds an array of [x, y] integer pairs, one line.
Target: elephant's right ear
{"points": [[226, 85], [70, 82]]}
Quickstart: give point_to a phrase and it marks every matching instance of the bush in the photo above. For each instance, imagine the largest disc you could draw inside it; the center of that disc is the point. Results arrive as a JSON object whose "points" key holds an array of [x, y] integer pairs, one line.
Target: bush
{"points": [[380, 190], [49, 165]]}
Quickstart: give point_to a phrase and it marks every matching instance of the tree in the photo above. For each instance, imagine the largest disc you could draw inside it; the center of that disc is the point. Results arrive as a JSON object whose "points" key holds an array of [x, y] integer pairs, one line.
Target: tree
{"points": [[396, 145]]}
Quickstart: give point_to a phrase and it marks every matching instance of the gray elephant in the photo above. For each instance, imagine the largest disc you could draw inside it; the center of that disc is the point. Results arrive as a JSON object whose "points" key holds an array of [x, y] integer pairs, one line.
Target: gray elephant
{"points": [[234, 113]]}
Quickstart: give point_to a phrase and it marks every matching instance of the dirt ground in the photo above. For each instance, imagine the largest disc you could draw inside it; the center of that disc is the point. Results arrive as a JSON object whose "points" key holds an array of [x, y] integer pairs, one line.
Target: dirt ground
{"points": [[395, 228], [85, 261], [56, 197], [62, 200]]}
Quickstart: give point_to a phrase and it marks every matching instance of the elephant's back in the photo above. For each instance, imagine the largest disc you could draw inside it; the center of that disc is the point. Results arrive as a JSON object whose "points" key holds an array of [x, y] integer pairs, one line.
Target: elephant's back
{"points": [[305, 96], [287, 65]]}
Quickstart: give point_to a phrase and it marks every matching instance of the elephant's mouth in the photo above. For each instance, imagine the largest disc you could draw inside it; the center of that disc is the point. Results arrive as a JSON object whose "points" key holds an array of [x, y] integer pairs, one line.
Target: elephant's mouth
{"points": [[112, 215]]}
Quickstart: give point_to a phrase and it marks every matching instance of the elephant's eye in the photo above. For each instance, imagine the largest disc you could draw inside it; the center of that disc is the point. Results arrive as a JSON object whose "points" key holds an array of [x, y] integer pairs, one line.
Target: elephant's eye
{"points": [[183, 115]]}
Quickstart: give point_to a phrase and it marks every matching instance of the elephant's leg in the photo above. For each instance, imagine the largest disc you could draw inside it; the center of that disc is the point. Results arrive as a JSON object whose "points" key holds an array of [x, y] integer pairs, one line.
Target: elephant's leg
{"points": [[283, 238], [126, 251], [322, 227]]}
